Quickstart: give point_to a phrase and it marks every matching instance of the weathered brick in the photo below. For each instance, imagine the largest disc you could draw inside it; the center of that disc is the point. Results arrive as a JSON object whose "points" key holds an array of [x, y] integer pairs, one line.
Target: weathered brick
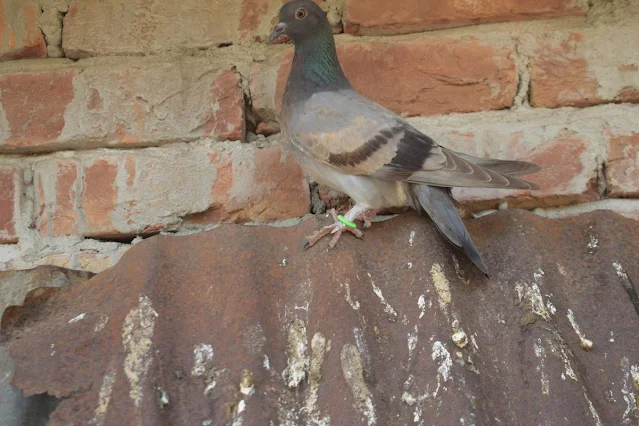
{"points": [[260, 16], [585, 68], [407, 77], [122, 194], [144, 27], [84, 260], [20, 36], [414, 76], [34, 105], [93, 262], [10, 188], [383, 17], [100, 196], [57, 188], [61, 260], [134, 102], [627, 208], [622, 168], [569, 176], [151, 27], [264, 185], [568, 144]]}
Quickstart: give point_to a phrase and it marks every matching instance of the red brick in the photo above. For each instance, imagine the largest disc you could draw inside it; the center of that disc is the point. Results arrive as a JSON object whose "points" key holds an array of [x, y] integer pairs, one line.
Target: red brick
{"points": [[99, 198], [436, 77], [20, 36], [267, 82], [566, 144], [137, 102], [622, 167], [144, 27], [10, 187], [34, 104], [122, 194], [415, 76], [568, 176], [383, 17], [269, 187], [282, 191], [57, 189], [226, 121], [258, 17], [585, 68]]}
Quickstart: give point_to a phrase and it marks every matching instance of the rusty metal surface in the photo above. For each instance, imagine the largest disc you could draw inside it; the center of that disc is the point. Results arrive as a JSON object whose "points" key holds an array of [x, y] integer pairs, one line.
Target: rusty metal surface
{"points": [[239, 326], [16, 409], [15, 285]]}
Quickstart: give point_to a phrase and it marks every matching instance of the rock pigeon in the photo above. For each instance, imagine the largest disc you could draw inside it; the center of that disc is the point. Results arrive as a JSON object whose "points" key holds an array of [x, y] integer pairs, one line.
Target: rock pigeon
{"points": [[352, 144]]}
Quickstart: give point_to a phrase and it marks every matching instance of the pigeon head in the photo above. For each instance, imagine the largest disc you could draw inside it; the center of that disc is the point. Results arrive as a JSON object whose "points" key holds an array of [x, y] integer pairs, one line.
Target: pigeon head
{"points": [[300, 20], [315, 65]]}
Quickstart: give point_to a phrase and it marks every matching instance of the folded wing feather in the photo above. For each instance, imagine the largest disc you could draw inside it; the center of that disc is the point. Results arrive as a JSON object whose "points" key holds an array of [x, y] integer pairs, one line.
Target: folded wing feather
{"points": [[359, 137]]}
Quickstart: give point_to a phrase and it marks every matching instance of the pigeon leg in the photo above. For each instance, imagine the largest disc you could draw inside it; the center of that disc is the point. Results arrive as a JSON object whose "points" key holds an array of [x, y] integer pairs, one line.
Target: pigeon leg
{"points": [[366, 217], [338, 227]]}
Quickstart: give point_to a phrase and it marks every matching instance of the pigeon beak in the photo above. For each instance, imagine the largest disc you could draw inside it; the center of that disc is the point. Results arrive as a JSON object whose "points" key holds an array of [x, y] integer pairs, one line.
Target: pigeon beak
{"points": [[278, 31]]}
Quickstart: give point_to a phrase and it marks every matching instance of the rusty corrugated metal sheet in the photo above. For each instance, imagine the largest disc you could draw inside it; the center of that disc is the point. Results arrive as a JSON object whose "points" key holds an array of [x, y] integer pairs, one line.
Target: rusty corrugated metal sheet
{"points": [[239, 326], [15, 286]]}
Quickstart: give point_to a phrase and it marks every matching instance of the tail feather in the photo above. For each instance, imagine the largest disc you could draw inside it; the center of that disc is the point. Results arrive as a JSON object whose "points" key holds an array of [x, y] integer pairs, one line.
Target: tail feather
{"points": [[506, 167], [474, 172], [438, 203]]}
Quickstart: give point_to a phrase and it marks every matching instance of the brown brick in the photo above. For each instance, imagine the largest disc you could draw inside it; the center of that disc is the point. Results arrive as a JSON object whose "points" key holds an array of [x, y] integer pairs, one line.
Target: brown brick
{"points": [[269, 186], [568, 176], [415, 76], [57, 190], [622, 168], [585, 68], [226, 118], [258, 17], [567, 144], [122, 194], [136, 102], [144, 27], [20, 36], [383, 17], [99, 198], [93, 262], [10, 187], [438, 76], [34, 105], [62, 260]]}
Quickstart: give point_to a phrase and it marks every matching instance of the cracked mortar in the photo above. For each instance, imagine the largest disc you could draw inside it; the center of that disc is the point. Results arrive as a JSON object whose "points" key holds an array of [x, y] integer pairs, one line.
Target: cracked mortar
{"points": [[51, 23]]}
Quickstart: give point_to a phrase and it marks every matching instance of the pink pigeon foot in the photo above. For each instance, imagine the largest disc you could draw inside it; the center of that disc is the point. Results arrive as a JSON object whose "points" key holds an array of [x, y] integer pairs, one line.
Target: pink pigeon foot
{"points": [[337, 228], [366, 217]]}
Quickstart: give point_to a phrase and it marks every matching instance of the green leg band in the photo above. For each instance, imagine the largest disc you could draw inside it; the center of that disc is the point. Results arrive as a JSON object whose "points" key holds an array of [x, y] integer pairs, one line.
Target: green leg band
{"points": [[346, 222]]}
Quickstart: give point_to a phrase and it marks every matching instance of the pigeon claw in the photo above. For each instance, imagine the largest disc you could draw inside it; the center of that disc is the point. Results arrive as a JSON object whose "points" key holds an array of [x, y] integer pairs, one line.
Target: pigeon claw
{"points": [[336, 229], [338, 233], [366, 217]]}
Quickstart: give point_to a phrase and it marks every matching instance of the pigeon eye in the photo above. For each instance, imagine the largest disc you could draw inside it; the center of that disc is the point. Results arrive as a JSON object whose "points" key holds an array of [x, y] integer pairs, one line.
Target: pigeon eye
{"points": [[300, 13]]}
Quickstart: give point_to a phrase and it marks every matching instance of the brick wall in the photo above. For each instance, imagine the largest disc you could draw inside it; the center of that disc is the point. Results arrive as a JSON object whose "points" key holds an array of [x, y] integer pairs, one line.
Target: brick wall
{"points": [[123, 119]]}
